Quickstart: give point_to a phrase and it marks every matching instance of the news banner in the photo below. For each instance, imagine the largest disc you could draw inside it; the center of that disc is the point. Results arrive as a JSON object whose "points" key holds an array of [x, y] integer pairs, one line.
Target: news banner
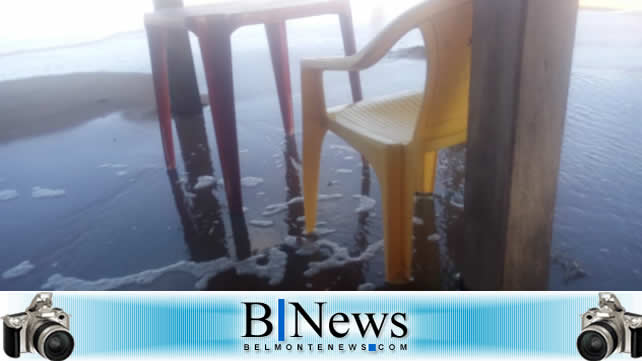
{"points": [[295, 325]]}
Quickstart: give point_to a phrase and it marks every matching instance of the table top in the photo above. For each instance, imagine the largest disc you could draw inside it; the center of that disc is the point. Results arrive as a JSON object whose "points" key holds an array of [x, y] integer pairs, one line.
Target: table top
{"points": [[246, 12]]}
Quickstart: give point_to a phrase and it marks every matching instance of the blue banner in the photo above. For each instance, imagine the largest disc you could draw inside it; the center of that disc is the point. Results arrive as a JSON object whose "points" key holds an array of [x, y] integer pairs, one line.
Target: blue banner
{"points": [[320, 325]]}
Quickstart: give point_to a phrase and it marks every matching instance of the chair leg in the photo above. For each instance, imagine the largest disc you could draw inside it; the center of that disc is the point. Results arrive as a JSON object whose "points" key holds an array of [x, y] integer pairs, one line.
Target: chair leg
{"points": [[278, 42], [216, 50], [397, 195], [313, 134], [430, 172], [157, 39]]}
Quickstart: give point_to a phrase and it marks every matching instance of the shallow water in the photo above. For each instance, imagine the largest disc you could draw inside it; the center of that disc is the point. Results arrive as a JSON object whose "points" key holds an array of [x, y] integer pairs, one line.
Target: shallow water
{"points": [[125, 220]]}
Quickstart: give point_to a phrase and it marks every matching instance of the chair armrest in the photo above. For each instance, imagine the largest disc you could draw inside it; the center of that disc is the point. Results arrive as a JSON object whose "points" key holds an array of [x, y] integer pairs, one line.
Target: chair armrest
{"points": [[367, 57], [364, 59], [385, 40], [312, 69], [313, 96]]}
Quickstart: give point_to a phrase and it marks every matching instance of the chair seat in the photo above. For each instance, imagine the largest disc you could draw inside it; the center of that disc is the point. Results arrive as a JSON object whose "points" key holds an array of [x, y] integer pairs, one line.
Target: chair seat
{"points": [[386, 120]]}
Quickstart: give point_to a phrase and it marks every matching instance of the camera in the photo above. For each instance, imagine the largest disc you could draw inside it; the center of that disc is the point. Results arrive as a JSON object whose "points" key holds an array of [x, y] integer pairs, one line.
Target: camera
{"points": [[609, 328], [42, 328]]}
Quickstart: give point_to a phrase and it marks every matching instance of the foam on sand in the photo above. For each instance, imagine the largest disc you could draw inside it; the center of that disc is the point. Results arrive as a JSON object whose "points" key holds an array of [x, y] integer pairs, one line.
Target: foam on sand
{"points": [[40, 192], [204, 181], [8, 194], [296, 164], [198, 270], [273, 270], [261, 223], [272, 209], [340, 257], [113, 165], [323, 231], [251, 181], [458, 203], [366, 204], [434, 237], [366, 287], [276, 208], [19, 270]]}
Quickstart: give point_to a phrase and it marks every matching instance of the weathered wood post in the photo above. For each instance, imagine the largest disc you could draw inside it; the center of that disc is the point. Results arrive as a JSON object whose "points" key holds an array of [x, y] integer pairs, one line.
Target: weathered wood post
{"points": [[521, 63], [182, 76]]}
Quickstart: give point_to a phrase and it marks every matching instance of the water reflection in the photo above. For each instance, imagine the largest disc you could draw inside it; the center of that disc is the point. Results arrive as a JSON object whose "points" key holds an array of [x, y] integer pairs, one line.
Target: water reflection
{"points": [[312, 261], [361, 235], [302, 251], [427, 265], [448, 213], [202, 215], [198, 208], [291, 159]]}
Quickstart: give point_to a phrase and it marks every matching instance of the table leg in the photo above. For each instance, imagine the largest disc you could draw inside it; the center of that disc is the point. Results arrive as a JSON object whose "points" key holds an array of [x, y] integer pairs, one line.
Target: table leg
{"points": [[350, 47], [216, 50], [186, 98], [157, 39], [278, 42]]}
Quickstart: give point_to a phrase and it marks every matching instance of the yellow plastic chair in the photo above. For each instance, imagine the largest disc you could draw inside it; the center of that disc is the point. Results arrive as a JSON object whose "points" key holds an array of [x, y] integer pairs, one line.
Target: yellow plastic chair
{"points": [[399, 135]]}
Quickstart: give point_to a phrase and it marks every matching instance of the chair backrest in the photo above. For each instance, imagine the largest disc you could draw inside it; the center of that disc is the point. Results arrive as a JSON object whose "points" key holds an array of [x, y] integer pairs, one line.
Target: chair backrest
{"points": [[446, 26], [447, 35]]}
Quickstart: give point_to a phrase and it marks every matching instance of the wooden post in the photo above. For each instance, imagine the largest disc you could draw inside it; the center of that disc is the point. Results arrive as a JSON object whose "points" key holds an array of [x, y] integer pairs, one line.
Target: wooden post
{"points": [[521, 63], [184, 91]]}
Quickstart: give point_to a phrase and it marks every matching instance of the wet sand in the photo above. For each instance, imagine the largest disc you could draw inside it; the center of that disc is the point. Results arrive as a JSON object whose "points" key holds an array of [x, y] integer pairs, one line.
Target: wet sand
{"points": [[115, 200], [120, 221], [40, 105]]}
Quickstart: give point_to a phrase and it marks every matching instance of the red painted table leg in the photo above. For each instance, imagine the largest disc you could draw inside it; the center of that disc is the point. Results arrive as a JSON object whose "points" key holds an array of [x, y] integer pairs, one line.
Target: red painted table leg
{"points": [[157, 39], [278, 42], [216, 50]]}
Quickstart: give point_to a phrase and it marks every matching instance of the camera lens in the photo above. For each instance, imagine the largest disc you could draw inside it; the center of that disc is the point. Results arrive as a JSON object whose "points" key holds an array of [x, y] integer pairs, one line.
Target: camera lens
{"points": [[59, 345], [592, 346], [597, 341], [53, 341]]}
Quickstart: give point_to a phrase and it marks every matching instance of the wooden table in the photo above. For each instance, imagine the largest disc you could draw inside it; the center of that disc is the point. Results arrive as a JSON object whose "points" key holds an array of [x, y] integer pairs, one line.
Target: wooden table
{"points": [[214, 25]]}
